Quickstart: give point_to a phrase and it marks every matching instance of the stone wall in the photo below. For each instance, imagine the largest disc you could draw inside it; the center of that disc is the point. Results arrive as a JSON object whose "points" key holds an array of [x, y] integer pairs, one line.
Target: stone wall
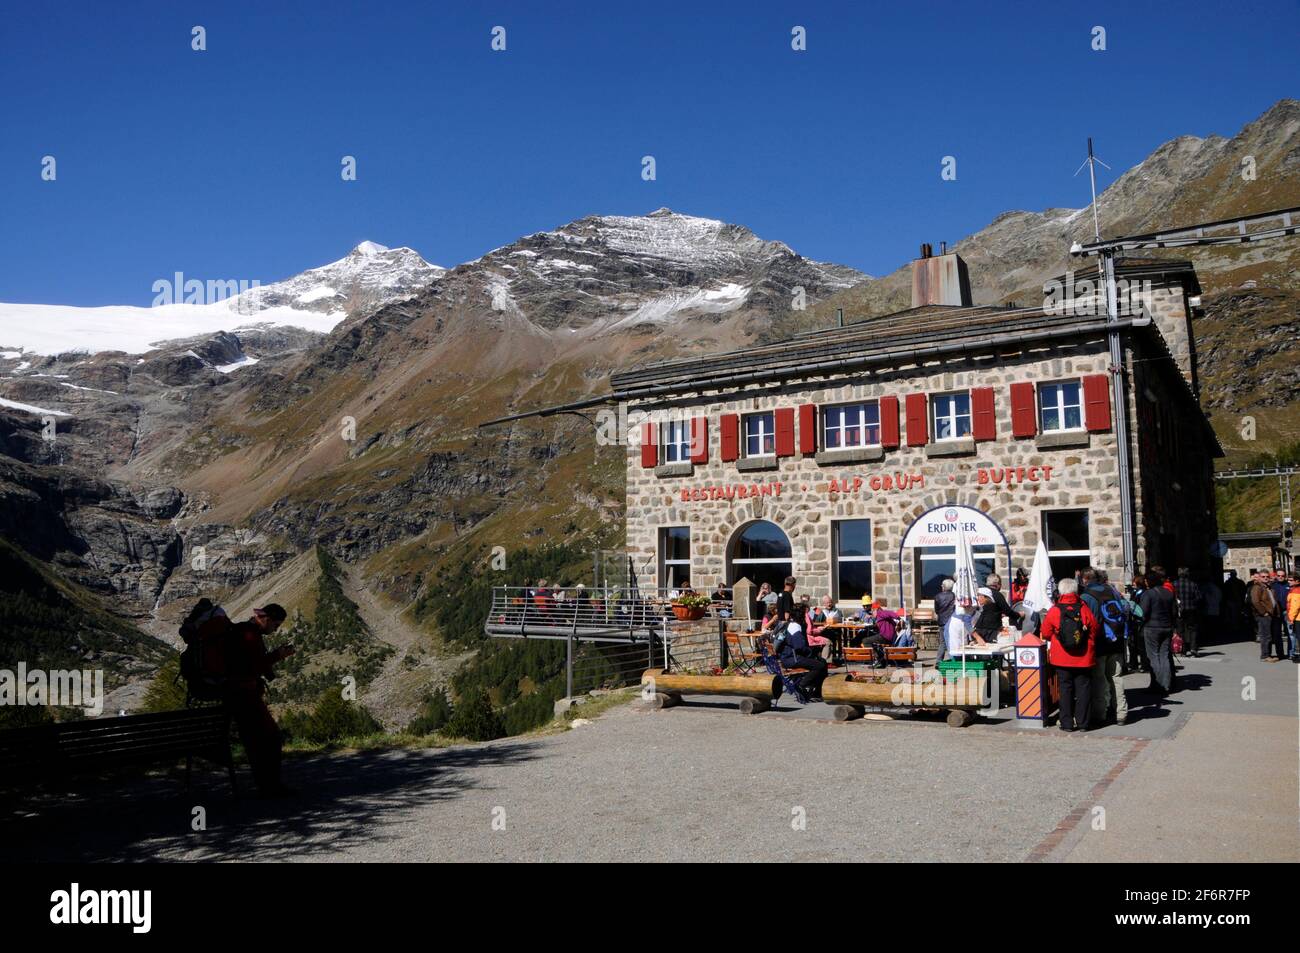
{"points": [[1176, 518], [800, 499], [1245, 558]]}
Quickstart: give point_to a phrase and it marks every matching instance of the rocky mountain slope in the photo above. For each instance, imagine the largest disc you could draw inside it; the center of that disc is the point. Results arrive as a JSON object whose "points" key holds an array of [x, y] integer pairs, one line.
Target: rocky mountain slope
{"points": [[1248, 331], [212, 464]]}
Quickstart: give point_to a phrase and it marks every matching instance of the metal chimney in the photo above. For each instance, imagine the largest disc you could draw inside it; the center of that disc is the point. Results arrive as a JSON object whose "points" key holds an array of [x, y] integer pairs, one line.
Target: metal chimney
{"points": [[940, 280]]}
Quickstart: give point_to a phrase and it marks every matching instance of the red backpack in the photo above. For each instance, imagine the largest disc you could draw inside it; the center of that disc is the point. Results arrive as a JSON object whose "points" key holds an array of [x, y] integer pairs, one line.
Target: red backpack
{"points": [[206, 632]]}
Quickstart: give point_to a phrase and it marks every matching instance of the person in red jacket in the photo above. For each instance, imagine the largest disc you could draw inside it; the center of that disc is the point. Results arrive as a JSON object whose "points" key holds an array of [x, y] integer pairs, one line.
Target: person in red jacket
{"points": [[248, 662], [1072, 630]]}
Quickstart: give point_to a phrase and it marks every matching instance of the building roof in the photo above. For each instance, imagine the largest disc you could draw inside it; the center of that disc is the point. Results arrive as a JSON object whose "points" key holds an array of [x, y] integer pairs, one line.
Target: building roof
{"points": [[1257, 537], [890, 339], [1135, 267]]}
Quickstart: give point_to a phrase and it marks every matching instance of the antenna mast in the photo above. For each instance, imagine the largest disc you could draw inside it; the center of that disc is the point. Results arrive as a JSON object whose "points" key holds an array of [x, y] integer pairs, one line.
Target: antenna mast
{"points": [[1092, 162]]}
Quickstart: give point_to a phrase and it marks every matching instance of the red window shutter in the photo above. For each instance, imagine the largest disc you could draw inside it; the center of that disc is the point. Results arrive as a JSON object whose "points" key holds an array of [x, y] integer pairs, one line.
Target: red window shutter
{"points": [[918, 428], [729, 431], [1096, 402], [983, 422], [699, 440], [649, 447], [889, 422], [784, 418], [808, 428], [1024, 410]]}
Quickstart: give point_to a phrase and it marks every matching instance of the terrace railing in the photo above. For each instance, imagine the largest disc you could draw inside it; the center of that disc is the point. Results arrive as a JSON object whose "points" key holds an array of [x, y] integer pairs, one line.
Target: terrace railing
{"points": [[594, 622]]}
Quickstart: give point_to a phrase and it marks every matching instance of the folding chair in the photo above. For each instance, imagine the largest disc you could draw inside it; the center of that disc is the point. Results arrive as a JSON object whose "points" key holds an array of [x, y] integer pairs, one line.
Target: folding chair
{"points": [[773, 664], [746, 662]]}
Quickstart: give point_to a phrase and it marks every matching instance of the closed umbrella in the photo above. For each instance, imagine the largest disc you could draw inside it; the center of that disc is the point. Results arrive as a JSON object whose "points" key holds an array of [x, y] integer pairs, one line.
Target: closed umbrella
{"points": [[964, 584], [1038, 594]]}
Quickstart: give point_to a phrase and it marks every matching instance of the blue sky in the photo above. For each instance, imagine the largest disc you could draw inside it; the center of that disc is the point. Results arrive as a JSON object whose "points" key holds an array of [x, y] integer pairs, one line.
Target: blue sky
{"points": [[225, 163]]}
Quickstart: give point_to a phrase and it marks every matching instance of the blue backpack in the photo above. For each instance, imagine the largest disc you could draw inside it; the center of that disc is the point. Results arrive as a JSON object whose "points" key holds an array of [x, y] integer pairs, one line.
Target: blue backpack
{"points": [[1115, 622]]}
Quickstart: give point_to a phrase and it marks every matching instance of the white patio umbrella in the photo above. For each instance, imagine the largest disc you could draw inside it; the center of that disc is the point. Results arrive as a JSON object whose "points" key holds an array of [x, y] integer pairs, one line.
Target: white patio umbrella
{"points": [[964, 584], [1038, 594]]}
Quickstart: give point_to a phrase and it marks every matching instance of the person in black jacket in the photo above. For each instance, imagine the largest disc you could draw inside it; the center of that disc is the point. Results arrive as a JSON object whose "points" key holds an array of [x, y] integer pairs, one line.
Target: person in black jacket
{"points": [[988, 618], [1159, 616], [994, 584], [945, 603]]}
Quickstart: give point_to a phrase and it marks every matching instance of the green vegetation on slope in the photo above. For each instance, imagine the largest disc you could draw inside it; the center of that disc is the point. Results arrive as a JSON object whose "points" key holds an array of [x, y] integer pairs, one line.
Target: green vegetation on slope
{"points": [[50, 623], [332, 645], [1246, 505], [522, 680]]}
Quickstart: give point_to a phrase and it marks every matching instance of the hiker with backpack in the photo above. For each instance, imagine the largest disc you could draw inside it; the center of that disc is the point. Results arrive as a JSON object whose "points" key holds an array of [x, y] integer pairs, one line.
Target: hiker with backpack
{"points": [[1072, 631], [227, 662], [1113, 618], [250, 662], [1159, 608]]}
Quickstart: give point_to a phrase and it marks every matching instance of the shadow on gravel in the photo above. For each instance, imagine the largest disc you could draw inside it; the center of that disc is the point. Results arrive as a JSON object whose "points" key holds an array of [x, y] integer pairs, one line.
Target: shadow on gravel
{"points": [[344, 800]]}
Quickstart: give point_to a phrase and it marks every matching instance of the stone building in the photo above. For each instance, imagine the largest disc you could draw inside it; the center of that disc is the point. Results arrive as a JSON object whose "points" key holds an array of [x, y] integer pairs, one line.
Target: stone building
{"points": [[1262, 549], [848, 456]]}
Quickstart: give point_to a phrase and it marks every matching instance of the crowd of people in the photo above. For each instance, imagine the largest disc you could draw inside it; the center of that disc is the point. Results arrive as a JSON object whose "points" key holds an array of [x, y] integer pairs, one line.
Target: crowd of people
{"points": [[1098, 631]]}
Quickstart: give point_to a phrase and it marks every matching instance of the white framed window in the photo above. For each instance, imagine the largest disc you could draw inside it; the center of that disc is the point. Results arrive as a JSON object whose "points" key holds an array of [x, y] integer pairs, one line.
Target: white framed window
{"points": [[1060, 406], [950, 415], [760, 435], [852, 549], [674, 556], [1066, 536], [851, 425], [934, 564], [677, 441]]}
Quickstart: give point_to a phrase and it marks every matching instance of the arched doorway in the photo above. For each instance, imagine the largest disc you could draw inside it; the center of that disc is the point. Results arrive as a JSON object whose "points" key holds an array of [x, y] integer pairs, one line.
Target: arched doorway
{"points": [[760, 551]]}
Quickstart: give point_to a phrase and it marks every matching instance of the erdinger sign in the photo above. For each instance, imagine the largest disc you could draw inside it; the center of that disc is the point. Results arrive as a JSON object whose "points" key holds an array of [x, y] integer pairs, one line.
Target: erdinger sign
{"points": [[939, 528]]}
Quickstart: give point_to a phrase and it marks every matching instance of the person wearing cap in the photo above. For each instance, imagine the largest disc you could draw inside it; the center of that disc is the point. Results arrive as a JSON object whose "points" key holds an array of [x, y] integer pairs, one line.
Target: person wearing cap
{"points": [[248, 662], [881, 630], [988, 617]]}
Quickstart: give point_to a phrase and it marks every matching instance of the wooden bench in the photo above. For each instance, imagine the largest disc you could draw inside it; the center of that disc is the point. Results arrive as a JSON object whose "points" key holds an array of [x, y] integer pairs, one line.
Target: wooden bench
{"points": [[58, 751]]}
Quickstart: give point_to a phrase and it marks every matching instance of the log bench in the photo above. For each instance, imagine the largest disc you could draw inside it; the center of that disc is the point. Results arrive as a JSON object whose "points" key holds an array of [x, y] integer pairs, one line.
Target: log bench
{"points": [[960, 699], [755, 693], [55, 752]]}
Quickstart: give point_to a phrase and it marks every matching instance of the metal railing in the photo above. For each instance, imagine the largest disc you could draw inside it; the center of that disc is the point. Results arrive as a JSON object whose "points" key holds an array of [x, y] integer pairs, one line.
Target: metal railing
{"points": [[600, 614], [613, 634]]}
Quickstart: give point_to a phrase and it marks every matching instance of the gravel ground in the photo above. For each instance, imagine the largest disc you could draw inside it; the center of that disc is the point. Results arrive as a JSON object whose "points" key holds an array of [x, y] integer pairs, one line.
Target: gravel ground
{"points": [[1217, 778], [633, 785]]}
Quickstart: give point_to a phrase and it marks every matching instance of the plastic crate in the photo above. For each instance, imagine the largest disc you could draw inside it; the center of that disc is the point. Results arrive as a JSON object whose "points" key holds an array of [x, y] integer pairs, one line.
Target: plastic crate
{"points": [[947, 666]]}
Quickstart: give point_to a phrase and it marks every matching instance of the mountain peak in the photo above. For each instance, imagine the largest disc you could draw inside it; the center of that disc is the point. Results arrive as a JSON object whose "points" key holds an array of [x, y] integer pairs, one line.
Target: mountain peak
{"points": [[369, 249]]}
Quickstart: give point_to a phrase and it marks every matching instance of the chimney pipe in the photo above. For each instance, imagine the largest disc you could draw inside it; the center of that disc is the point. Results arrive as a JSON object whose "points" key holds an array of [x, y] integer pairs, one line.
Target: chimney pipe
{"points": [[839, 317], [942, 280]]}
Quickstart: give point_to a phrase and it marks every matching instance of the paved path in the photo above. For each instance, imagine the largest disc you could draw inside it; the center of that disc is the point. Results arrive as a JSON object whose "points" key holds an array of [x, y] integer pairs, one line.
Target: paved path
{"points": [[700, 782]]}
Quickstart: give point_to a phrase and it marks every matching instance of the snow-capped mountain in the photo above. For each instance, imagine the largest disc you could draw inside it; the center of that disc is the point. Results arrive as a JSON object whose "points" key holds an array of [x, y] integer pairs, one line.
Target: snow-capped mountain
{"points": [[368, 277], [608, 271], [316, 300]]}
